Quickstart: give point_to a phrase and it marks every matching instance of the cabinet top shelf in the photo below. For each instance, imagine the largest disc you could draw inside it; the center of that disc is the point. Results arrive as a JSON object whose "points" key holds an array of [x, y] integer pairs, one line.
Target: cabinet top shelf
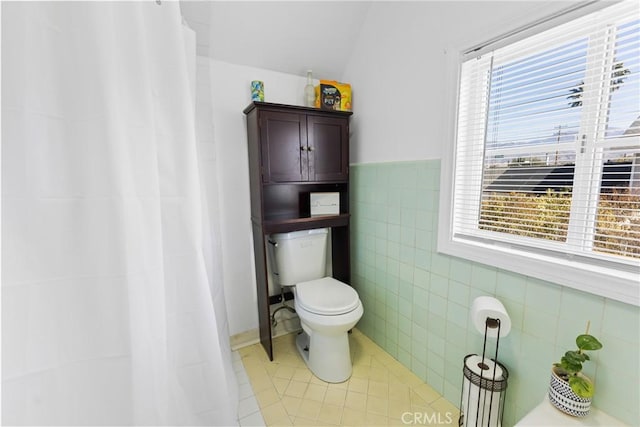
{"points": [[274, 106], [285, 223]]}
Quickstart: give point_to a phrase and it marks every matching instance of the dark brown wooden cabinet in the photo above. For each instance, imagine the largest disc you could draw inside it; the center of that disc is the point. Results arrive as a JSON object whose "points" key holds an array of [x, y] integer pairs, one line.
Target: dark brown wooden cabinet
{"points": [[293, 152], [301, 147]]}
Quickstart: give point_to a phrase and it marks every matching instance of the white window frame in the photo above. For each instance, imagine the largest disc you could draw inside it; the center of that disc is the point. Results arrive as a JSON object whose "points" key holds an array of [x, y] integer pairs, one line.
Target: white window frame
{"points": [[605, 279]]}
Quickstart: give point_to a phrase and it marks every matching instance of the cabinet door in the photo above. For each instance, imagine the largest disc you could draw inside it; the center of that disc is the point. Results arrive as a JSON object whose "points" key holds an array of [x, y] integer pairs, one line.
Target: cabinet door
{"points": [[328, 139], [284, 147]]}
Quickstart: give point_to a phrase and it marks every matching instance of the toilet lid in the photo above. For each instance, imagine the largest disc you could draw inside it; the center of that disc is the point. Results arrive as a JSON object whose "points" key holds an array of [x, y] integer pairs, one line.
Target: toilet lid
{"points": [[326, 296]]}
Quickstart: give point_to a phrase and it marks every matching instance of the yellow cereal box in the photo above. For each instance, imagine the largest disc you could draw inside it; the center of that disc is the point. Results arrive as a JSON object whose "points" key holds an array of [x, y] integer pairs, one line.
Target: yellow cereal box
{"points": [[333, 95]]}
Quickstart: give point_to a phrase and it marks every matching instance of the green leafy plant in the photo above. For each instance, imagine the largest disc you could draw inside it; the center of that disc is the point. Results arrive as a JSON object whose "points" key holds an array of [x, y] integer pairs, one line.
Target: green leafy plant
{"points": [[570, 366]]}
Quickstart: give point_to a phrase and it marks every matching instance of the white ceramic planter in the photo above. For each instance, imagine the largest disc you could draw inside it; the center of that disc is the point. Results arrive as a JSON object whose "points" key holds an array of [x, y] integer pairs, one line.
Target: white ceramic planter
{"points": [[562, 397]]}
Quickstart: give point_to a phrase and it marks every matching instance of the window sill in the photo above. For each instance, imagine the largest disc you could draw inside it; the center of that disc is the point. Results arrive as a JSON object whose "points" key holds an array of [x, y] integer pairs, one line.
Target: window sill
{"points": [[607, 282]]}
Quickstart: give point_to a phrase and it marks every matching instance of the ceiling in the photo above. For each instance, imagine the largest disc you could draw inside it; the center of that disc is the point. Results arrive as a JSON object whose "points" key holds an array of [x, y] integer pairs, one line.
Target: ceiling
{"points": [[286, 36]]}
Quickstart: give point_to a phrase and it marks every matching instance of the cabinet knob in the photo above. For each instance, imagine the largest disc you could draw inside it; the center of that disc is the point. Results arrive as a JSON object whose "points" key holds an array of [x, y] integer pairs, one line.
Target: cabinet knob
{"points": [[303, 148], [310, 148]]}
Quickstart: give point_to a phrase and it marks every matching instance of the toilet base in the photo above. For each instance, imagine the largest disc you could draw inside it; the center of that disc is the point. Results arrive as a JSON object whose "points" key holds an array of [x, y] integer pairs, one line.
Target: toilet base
{"points": [[302, 343], [332, 360]]}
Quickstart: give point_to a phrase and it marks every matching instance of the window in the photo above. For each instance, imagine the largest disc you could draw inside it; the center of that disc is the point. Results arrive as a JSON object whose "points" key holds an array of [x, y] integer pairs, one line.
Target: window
{"points": [[547, 157]]}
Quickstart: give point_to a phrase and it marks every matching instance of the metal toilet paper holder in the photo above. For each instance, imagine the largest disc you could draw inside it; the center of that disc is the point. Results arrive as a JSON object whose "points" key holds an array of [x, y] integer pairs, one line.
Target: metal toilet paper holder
{"points": [[488, 386]]}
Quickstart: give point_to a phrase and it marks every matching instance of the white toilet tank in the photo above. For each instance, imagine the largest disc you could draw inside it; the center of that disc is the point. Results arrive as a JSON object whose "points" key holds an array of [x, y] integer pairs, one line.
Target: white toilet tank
{"points": [[300, 256]]}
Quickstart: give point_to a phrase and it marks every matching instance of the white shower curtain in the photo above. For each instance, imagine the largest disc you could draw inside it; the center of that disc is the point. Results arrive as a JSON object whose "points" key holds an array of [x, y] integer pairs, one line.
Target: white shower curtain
{"points": [[111, 302]]}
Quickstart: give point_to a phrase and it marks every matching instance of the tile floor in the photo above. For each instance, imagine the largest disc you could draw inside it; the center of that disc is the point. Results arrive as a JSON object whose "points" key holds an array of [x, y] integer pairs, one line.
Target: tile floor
{"points": [[380, 391], [248, 409]]}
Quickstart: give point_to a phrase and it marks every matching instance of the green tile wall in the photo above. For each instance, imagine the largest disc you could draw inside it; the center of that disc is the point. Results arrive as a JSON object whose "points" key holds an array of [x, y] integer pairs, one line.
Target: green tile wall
{"points": [[416, 301]]}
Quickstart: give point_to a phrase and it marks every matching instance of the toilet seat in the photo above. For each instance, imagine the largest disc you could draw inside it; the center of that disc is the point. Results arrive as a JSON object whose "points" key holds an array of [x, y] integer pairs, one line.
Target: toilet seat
{"points": [[326, 297]]}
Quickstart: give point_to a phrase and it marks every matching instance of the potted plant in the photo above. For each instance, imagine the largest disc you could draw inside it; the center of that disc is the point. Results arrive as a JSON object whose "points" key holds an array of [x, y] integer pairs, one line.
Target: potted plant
{"points": [[570, 390]]}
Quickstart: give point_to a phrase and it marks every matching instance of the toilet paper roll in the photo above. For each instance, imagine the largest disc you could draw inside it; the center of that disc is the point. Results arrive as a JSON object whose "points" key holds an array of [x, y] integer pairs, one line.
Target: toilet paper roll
{"points": [[487, 412], [484, 307]]}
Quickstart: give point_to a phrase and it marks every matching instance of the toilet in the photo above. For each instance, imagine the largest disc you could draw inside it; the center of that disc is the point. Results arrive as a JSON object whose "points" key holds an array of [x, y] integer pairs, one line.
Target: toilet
{"points": [[327, 308]]}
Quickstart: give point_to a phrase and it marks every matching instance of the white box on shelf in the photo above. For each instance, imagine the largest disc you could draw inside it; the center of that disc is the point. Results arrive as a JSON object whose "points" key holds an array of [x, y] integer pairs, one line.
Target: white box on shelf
{"points": [[325, 203]]}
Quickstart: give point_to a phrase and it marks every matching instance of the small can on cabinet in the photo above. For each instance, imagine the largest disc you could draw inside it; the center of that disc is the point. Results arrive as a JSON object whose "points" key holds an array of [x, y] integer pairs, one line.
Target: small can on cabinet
{"points": [[257, 90]]}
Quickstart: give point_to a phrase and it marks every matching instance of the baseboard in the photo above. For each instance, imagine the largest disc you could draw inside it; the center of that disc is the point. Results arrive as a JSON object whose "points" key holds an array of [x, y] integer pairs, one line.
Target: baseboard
{"points": [[243, 339], [252, 336], [287, 323]]}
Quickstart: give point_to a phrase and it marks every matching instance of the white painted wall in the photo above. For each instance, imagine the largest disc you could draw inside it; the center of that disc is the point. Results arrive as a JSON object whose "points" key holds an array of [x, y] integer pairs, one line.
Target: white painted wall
{"points": [[397, 70], [230, 89]]}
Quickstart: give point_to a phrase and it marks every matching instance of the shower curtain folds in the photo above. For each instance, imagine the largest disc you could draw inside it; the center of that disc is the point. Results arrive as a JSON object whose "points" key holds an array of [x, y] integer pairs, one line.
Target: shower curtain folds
{"points": [[107, 293]]}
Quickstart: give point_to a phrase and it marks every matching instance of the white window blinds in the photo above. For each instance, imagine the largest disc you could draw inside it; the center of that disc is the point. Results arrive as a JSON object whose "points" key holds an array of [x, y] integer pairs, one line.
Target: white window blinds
{"points": [[548, 141]]}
